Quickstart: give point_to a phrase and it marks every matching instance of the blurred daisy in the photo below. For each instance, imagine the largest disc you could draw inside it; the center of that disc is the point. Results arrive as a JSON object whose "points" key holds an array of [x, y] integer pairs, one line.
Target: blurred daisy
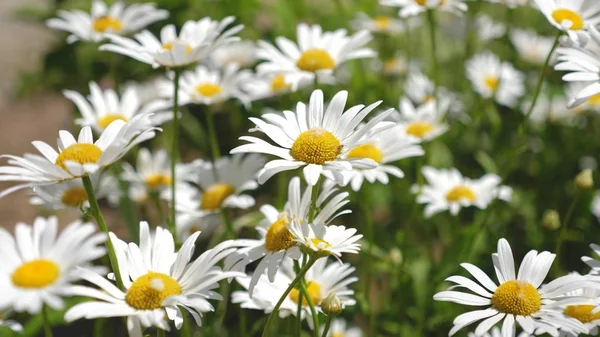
{"points": [[395, 66], [488, 29], [38, 265], [313, 137], [495, 79], [316, 55], [449, 190], [378, 24], [415, 7], [276, 243], [553, 109], [592, 262], [103, 107], [419, 88], [584, 313], [520, 297], [511, 4], [241, 54], [595, 207], [195, 41], [68, 195], [116, 19], [571, 16], [339, 329], [260, 87], [76, 157], [423, 122], [531, 47]]}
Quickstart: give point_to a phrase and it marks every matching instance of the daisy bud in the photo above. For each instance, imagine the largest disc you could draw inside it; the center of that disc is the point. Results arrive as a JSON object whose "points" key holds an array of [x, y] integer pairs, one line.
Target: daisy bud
{"points": [[551, 220], [332, 306], [395, 256], [585, 180]]}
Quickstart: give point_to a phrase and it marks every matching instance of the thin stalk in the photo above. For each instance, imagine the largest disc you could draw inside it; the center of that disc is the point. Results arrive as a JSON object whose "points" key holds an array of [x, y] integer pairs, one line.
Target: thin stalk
{"points": [[327, 326], [47, 326], [160, 333], [95, 210], [434, 63], [313, 311], [212, 134], [156, 199], [126, 207], [299, 319], [365, 205], [313, 203], [563, 228], [174, 154]]}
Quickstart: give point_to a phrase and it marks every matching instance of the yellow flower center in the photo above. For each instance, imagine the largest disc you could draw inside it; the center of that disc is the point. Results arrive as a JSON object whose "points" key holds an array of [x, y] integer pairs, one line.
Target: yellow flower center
{"points": [[517, 298], [563, 14], [594, 100], [79, 153], [278, 83], [337, 334], [279, 237], [157, 180], [36, 274], [150, 290], [320, 244], [213, 197], [382, 22], [314, 293], [74, 197], [419, 129], [491, 82], [316, 146], [104, 122], [582, 313], [107, 24], [169, 46], [209, 89], [424, 2], [315, 59], [459, 193], [366, 151]]}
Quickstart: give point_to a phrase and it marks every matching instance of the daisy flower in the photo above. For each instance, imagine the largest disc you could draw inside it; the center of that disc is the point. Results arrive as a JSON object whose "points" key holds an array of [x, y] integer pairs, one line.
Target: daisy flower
{"points": [[591, 104], [379, 24], [316, 55], [496, 332], [584, 313], [158, 281], [276, 242], [339, 328], [416, 7], [488, 29], [322, 240], [511, 3], [38, 265], [522, 298], [423, 122], [595, 207], [103, 107], [241, 54], [76, 157], [532, 48], [264, 86], [116, 19], [418, 87], [395, 66], [571, 16], [314, 137], [194, 42], [447, 189], [495, 79], [69, 194], [553, 109], [591, 262]]}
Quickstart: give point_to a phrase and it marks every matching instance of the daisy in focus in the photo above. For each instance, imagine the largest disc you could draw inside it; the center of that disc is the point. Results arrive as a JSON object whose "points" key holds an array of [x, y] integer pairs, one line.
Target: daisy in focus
{"points": [[416, 7], [423, 122], [321, 240], [103, 107], [532, 48], [572, 17], [76, 158], [38, 265], [519, 299], [316, 55], [314, 137], [591, 104], [69, 194], [448, 190], [158, 280], [495, 79], [379, 24], [584, 313], [116, 19], [339, 328], [195, 41]]}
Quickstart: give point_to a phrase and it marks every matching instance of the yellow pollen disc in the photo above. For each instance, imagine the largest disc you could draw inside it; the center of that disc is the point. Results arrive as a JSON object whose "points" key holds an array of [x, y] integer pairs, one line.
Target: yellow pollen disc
{"points": [[594, 100], [157, 180], [314, 293], [36, 274], [104, 122], [427, 98], [169, 46], [563, 14], [419, 129], [459, 193], [382, 22], [278, 83], [74, 197], [337, 334], [366, 151], [389, 66], [79, 153], [582, 313], [315, 59], [321, 244], [279, 237], [213, 197], [150, 290], [491, 82], [107, 24], [209, 89], [316, 146], [517, 298]]}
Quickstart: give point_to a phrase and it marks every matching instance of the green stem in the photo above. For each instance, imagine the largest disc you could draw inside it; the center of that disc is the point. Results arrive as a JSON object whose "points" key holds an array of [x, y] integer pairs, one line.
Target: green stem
{"points": [[156, 199], [214, 141], [299, 319], [229, 231], [174, 154], [160, 332], [434, 64], [95, 210], [285, 294], [563, 228], [313, 312], [313, 202], [327, 326], [365, 205], [126, 207], [47, 326]]}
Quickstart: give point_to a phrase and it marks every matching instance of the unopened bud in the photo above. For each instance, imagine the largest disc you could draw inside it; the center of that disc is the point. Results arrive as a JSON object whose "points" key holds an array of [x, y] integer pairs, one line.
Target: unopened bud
{"points": [[331, 305], [395, 256], [551, 220], [585, 180]]}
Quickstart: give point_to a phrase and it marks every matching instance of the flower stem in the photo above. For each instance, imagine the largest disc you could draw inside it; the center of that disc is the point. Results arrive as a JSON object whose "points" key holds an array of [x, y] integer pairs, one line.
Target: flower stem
{"points": [[47, 326], [313, 312], [285, 294], [95, 210], [563, 228], [174, 154], [160, 332], [212, 134], [327, 326], [434, 64]]}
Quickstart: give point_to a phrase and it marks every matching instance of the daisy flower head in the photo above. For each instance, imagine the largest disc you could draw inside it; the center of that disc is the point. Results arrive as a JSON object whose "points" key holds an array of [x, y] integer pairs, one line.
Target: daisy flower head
{"points": [[265, 86], [69, 194], [339, 328], [416, 7], [38, 264], [584, 313], [277, 243], [532, 48], [488, 29], [102, 107], [158, 281], [116, 19], [314, 137], [552, 109], [379, 24], [519, 298], [448, 190], [511, 3], [419, 88], [76, 158], [422, 122], [495, 79], [592, 104], [316, 55], [321, 240], [241, 54], [195, 41], [571, 16], [397, 65]]}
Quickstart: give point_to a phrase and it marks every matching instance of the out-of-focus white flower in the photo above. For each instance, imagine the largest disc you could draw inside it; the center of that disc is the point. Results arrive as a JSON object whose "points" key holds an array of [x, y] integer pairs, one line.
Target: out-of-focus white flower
{"points": [[495, 79]]}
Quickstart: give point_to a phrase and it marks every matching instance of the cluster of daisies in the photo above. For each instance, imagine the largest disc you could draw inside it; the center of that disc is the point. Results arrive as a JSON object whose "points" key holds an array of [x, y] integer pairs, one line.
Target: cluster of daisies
{"points": [[323, 150]]}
